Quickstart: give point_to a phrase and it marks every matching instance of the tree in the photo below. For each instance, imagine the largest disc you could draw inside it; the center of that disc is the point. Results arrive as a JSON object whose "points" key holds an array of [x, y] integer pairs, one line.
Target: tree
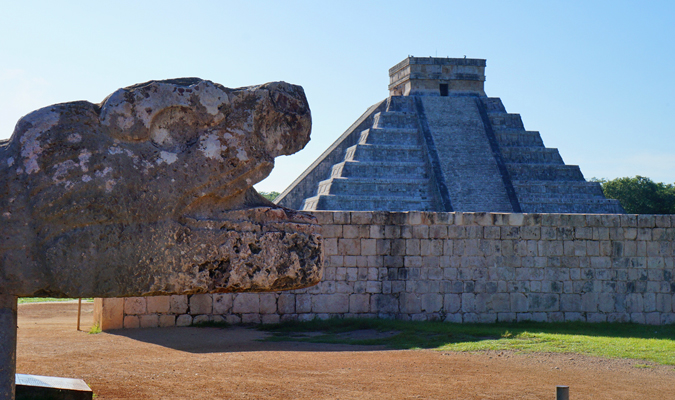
{"points": [[640, 195], [270, 195]]}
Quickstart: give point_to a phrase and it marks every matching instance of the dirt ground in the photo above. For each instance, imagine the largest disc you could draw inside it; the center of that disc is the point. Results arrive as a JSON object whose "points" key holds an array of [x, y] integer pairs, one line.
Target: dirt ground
{"points": [[213, 363]]}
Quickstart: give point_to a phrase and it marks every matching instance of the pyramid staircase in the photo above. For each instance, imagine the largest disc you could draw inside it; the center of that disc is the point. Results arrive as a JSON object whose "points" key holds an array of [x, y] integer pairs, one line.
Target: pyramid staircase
{"points": [[387, 169], [542, 181]]}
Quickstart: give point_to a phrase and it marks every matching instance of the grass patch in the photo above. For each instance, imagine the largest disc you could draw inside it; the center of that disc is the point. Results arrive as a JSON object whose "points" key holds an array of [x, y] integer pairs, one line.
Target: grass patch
{"points": [[96, 328], [23, 300], [640, 342]]}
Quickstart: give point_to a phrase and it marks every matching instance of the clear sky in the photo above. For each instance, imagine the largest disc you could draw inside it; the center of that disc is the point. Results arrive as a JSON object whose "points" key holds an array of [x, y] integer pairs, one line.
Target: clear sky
{"points": [[594, 77]]}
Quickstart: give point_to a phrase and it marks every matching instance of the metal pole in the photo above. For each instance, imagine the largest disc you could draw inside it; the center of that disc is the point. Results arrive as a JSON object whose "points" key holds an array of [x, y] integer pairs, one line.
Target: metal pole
{"points": [[7, 346], [562, 393], [79, 309]]}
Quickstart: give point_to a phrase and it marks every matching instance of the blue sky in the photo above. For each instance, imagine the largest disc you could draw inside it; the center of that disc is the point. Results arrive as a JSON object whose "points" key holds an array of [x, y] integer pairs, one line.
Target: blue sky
{"points": [[594, 77]]}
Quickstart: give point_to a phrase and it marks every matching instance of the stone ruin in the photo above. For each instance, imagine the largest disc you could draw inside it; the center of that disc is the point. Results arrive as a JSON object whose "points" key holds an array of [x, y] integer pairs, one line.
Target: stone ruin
{"points": [[151, 192], [438, 143]]}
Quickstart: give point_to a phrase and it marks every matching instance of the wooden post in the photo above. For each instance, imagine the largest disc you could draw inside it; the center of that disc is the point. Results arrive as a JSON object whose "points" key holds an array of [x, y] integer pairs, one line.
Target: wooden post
{"points": [[7, 346], [79, 309], [562, 393]]}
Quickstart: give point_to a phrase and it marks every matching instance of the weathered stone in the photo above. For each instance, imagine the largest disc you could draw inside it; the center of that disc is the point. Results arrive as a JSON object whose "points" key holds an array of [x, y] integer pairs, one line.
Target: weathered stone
{"points": [[184, 320], [246, 303], [150, 192], [222, 303], [201, 304], [158, 304]]}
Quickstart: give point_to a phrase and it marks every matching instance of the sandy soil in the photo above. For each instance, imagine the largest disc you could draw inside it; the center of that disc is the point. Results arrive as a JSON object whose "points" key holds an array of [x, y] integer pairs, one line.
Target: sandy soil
{"points": [[212, 363]]}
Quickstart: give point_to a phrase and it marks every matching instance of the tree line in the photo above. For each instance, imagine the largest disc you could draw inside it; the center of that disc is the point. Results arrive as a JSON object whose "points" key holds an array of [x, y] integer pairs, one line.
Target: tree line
{"points": [[640, 195]]}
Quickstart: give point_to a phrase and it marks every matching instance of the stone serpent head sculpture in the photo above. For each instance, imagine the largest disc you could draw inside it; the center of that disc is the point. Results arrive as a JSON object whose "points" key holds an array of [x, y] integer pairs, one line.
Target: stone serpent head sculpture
{"points": [[150, 192]]}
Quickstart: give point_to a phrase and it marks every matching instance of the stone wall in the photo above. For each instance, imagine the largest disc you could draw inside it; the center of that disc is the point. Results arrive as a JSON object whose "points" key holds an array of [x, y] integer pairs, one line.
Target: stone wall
{"points": [[457, 267]]}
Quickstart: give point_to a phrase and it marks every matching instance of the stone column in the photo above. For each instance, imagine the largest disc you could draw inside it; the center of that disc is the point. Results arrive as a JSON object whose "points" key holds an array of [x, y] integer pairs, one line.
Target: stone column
{"points": [[7, 346]]}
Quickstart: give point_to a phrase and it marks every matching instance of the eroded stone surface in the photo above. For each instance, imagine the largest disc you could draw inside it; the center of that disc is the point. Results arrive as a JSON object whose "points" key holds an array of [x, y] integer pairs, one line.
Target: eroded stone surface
{"points": [[150, 192]]}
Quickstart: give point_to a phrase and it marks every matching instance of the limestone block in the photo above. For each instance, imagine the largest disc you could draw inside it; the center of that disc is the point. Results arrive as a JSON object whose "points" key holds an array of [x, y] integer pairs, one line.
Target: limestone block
{"points": [[634, 303], [574, 316], [201, 304], [606, 302], [135, 305], [151, 192], [109, 313], [246, 303], [131, 321], [233, 319], [323, 217], [410, 303], [468, 302], [543, 302], [222, 303], [589, 302], [149, 321], [498, 302], [638, 318], [184, 320], [271, 319], [268, 303], [373, 287], [618, 317], [349, 247], [330, 303], [653, 318], [556, 317], [286, 303], [166, 321], [453, 318], [158, 304], [384, 303], [451, 303], [506, 317], [359, 303], [200, 319], [649, 302], [431, 302], [250, 318], [487, 318], [342, 217], [330, 246]]}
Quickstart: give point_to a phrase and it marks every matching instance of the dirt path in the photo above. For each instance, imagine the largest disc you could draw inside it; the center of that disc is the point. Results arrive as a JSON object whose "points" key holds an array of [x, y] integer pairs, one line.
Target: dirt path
{"points": [[212, 363]]}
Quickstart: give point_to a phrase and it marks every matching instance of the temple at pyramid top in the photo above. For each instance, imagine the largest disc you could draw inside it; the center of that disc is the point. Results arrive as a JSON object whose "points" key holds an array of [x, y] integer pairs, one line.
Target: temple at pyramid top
{"points": [[420, 76], [439, 143]]}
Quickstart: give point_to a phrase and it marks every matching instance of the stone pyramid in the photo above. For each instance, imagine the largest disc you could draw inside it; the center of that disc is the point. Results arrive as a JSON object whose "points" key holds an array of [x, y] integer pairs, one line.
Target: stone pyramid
{"points": [[438, 143]]}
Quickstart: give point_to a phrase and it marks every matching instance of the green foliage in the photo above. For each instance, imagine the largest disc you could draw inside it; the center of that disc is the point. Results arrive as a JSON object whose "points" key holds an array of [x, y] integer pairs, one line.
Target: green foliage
{"points": [[640, 195], [269, 195], [96, 328], [23, 300], [641, 342]]}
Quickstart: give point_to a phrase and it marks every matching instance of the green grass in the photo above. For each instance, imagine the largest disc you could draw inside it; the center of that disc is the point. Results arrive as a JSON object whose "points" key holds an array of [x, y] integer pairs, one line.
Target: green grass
{"points": [[23, 300], [96, 328], [640, 342]]}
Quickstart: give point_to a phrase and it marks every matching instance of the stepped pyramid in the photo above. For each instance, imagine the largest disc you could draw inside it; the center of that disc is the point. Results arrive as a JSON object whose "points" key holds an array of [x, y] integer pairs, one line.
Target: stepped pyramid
{"points": [[438, 143]]}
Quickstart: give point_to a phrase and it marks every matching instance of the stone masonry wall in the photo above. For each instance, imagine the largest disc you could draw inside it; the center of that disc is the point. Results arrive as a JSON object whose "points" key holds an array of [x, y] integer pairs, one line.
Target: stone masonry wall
{"points": [[456, 267]]}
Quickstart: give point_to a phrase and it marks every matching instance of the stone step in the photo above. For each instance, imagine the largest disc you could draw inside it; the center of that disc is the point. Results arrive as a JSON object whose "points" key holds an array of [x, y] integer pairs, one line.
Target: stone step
{"points": [[367, 203], [494, 105], [377, 152], [380, 187], [531, 155], [379, 169], [502, 121], [553, 188], [519, 138], [395, 119], [401, 103], [389, 136], [544, 172]]}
